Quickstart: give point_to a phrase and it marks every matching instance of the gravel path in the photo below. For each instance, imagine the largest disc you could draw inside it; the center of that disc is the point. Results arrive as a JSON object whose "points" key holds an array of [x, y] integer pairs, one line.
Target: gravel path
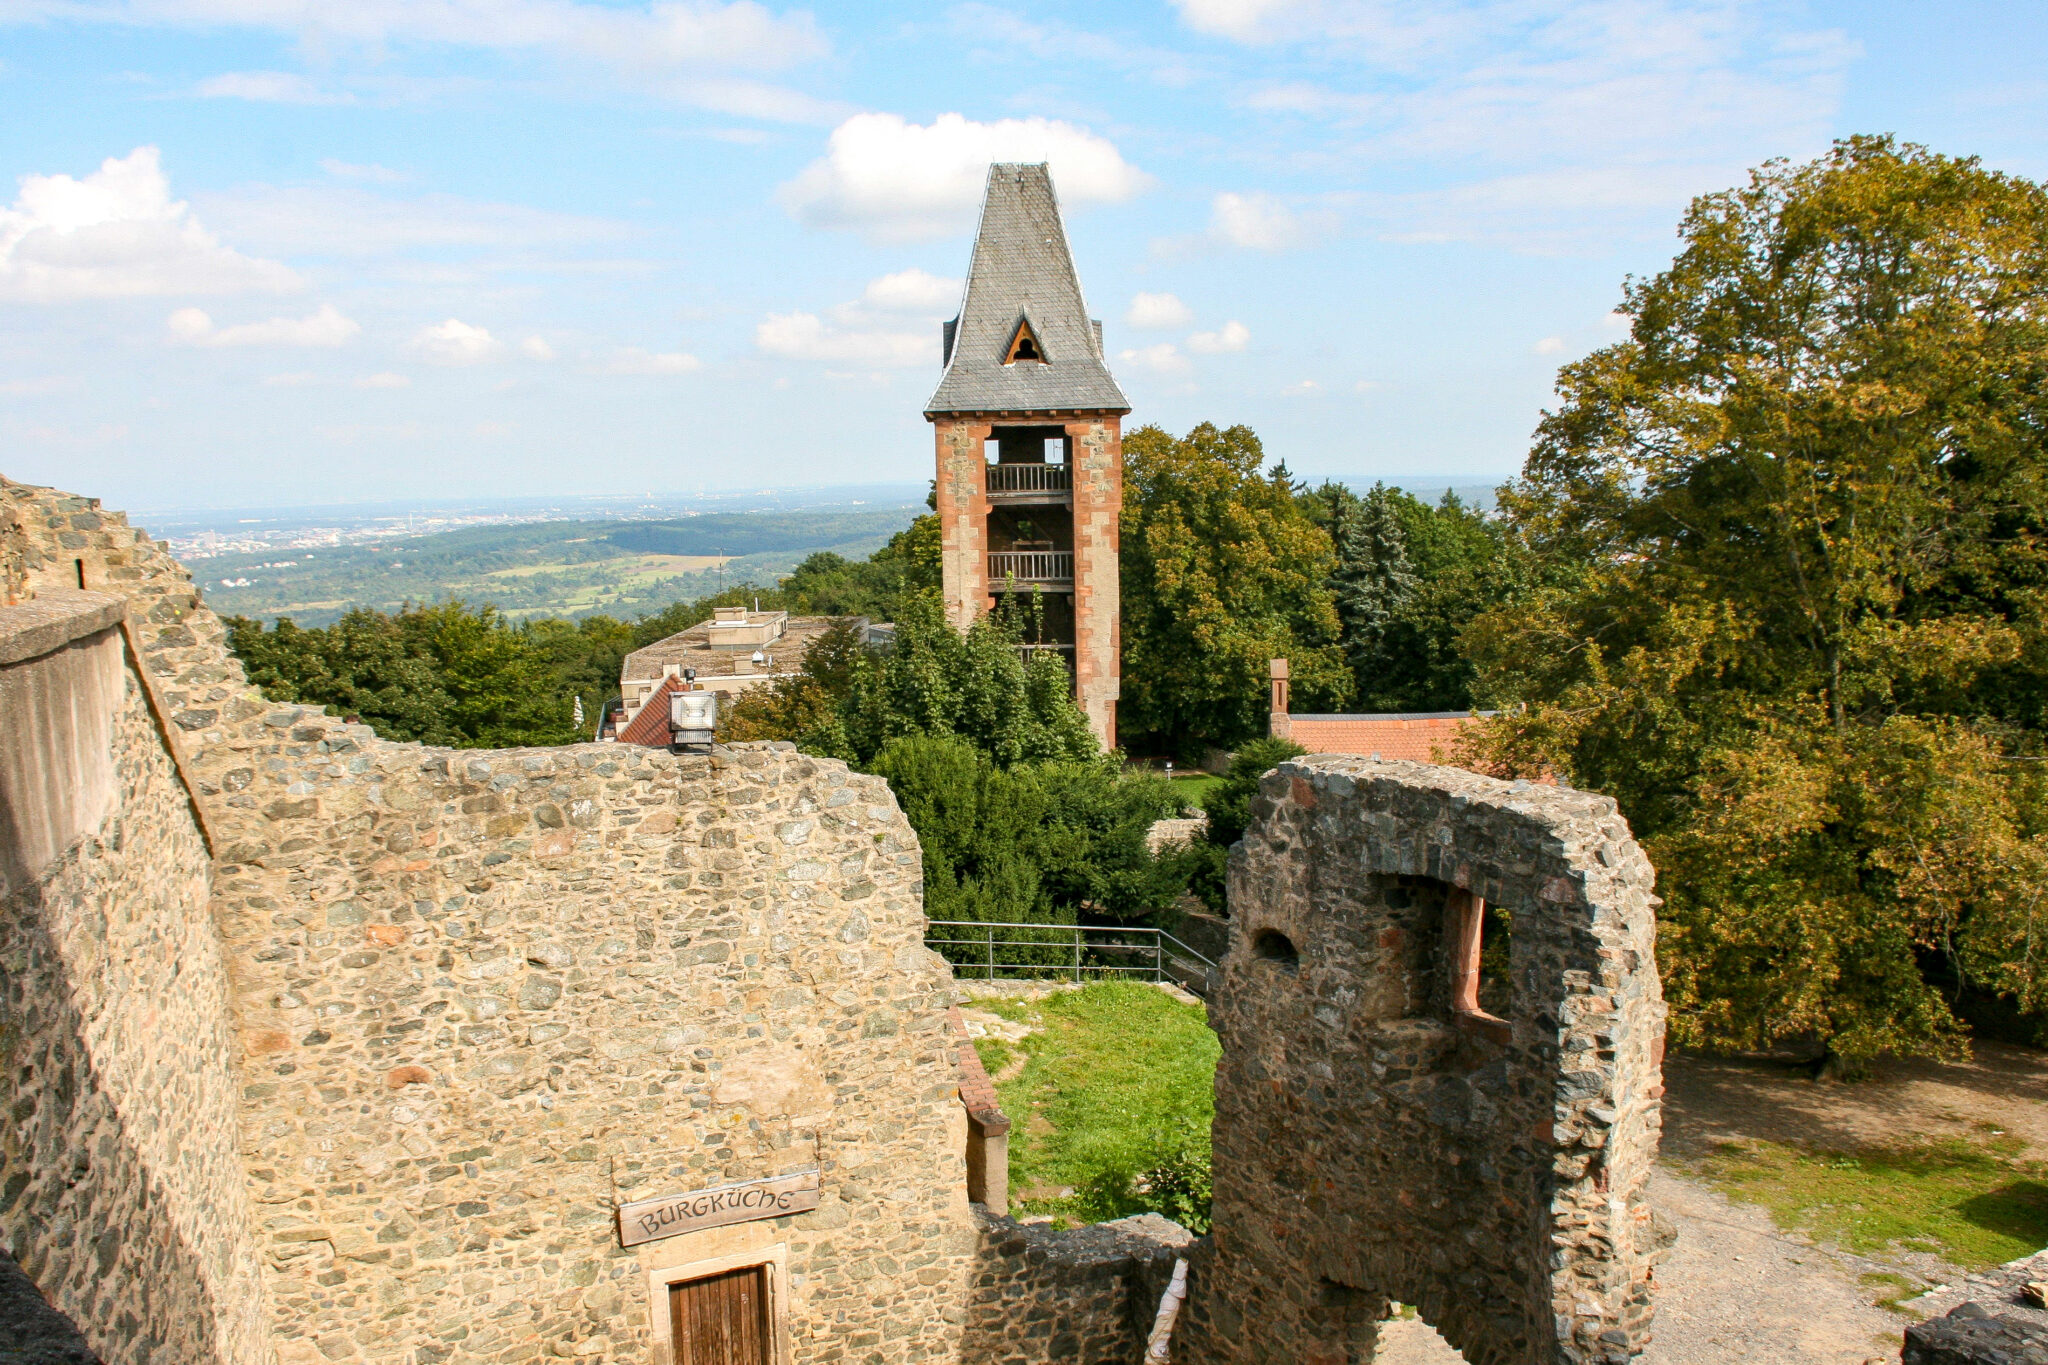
{"points": [[1734, 1289]]}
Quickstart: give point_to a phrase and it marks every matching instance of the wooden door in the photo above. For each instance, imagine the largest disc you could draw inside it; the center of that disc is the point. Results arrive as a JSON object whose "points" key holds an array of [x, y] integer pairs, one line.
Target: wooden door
{"points": [[721, 1319]]}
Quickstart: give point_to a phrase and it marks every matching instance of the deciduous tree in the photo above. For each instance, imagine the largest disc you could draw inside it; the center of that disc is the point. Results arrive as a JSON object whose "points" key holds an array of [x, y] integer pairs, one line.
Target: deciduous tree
{"points": [[1793, 533], [1222, 571]]}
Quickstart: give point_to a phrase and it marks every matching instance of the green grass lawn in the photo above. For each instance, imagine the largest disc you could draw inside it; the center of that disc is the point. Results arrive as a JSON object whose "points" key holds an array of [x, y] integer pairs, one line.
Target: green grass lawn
{"points": [[1117, 1082], [1192, 787], [1970, 1202]]}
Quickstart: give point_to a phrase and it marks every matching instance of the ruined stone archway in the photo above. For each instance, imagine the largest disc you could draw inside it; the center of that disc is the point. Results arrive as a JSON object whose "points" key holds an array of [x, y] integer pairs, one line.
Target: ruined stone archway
{"points": [[1375, 1141]]}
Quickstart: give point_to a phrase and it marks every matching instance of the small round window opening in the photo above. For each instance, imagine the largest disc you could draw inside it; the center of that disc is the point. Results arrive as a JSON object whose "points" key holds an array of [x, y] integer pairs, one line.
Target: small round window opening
{"points": [[1273, 946]]}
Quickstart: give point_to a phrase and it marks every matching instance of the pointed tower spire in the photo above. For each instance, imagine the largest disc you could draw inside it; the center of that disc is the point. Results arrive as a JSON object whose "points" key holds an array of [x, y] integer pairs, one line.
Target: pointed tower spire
{"points": [[1022, 282]]}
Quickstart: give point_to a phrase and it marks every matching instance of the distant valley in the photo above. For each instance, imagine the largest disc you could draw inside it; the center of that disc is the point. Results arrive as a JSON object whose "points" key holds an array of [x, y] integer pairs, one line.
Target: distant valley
{"points": [[558, 568]]}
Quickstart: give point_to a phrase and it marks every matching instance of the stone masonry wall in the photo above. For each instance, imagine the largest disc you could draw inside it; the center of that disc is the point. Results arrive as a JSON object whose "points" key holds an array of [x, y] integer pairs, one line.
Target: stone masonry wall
{"points": [[121, 1194], [1098, 472], [1370, 1146], [481, 997], [961, 492], [1081, 1297]]}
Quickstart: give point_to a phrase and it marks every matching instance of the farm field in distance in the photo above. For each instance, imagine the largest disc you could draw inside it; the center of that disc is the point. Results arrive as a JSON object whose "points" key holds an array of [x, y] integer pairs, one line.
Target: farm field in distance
{"points": [[562, 568]]}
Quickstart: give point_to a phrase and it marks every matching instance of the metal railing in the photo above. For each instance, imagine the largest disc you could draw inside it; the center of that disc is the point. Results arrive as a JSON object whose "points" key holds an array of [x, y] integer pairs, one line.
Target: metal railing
{"points": [[1071, 952], [1026, 567], [1029, 478]]}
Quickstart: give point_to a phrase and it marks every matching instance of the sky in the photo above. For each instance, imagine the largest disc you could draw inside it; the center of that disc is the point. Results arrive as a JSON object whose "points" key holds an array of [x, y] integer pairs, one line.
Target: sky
{"points": [[289, 251]]}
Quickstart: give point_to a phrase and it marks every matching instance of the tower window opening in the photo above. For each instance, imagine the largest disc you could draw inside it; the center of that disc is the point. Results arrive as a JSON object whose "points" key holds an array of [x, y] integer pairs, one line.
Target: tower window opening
{"points": [[1478, 939], [1024, 345]]}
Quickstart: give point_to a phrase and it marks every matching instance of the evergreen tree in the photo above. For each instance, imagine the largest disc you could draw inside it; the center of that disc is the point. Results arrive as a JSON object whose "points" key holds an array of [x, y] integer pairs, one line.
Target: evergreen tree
{"points": [[1374, 582]]}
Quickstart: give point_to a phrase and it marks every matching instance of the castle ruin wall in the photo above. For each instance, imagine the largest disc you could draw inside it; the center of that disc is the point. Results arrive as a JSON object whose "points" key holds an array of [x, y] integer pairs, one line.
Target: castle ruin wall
{"points": [[121, 1196], [475, 1000], [1376, 1141]]}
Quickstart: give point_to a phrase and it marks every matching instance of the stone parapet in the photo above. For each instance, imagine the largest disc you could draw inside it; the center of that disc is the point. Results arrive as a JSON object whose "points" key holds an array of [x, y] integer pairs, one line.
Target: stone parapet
{"points": [[1993, 1318], [1087, 1296], [1973, 1335]]}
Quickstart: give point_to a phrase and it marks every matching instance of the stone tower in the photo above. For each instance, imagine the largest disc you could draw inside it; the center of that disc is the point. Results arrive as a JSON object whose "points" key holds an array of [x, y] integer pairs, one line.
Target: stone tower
{"points": [[1028, 423]]}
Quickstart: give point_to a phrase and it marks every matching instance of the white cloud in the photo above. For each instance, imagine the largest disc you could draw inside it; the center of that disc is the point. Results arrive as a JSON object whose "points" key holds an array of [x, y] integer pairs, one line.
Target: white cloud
{"points": [[1245, 20], [1549, 346], [896, 181], [384, 379], [1002, 33], [268, 87], [1620, 322], [455, 342], [806, 336], [1313, 101], [1231, 336], [349, 170], [1164, 358], [1307, 388], [536, 348], [117, 233], [347, 221], [1157, 311], [692, 51], [297, 379], [325, 328], [1262, 223], [634, 360], [40, 384], [1546, 122], [912, 291]]}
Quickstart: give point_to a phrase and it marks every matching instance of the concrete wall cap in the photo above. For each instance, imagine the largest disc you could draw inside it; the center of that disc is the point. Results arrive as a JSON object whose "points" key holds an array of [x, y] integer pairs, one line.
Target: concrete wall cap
{"points": [[52, 620]]}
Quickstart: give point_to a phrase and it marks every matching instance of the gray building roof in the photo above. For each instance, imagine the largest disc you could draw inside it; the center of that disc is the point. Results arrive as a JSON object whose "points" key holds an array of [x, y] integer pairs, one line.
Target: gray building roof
{"points": [[1023, 274]]}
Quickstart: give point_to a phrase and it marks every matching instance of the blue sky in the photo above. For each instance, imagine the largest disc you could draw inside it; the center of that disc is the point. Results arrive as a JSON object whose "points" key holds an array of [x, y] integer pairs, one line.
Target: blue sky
{"points": [[299, 250]]}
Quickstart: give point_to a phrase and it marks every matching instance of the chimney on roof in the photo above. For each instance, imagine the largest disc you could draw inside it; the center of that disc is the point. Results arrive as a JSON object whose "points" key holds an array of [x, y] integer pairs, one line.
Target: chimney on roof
{"points": [[1279, 724]]}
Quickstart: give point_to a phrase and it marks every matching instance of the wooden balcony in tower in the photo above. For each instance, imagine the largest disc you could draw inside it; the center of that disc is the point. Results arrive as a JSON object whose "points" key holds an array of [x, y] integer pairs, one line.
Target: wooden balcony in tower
{"points": [[1028, 570], [1021, 484]]}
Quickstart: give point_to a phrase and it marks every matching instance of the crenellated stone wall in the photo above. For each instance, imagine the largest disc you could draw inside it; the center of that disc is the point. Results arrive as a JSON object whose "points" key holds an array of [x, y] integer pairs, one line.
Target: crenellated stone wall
{"points": [[1375, 1143], [480, 998]]}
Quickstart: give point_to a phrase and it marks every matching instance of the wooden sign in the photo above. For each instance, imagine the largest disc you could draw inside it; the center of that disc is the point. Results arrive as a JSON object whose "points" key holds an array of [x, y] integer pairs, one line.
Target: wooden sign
{"points": [[650, 1220]]}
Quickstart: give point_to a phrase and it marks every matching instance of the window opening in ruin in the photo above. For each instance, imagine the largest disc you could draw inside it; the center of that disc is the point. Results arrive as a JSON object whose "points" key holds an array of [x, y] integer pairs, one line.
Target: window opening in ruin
{"points": [[1273, 946], [1023, 345], [79, 565], [721, 1319], [1466, 925], [1496, 937]]}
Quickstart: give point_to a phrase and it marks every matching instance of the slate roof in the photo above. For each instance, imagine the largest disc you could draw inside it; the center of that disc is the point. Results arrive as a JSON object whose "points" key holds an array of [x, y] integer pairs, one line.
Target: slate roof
{"points": [[1022, 270]]}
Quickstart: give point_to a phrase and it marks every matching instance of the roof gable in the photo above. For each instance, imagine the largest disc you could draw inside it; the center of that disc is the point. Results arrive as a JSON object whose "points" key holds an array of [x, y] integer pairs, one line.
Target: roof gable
{"points": [[1022, 276]]}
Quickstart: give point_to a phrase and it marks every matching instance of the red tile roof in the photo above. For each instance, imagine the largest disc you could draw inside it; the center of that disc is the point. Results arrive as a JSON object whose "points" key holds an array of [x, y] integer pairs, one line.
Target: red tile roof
{"points": [[650, 726], [1428, 737]]}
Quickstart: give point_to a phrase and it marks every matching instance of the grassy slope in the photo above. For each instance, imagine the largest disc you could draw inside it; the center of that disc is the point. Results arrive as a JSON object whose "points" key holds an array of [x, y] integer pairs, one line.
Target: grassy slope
{"points": [[1116, 1076], [1972, 1203]]}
